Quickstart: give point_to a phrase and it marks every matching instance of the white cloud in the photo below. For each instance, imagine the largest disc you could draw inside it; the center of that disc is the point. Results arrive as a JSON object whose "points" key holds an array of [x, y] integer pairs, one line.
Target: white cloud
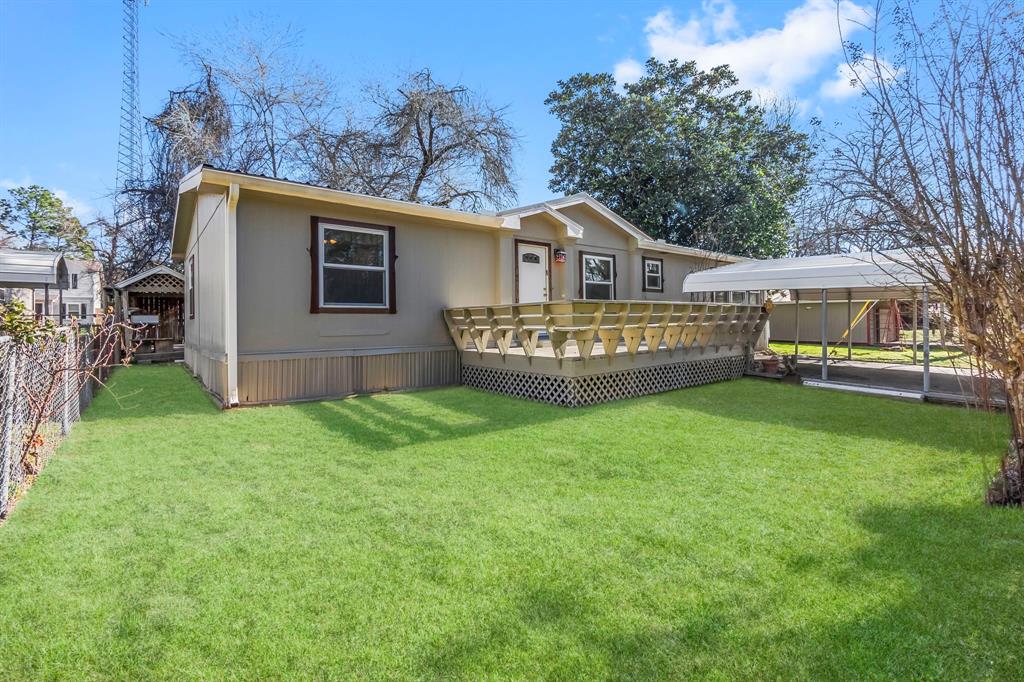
{"points": [[773, 62], [850, 81], [84, 210], [628, 71]]}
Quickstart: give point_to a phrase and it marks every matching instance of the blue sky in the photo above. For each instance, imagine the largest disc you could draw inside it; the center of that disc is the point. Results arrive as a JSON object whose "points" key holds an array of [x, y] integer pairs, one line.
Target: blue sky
{"points": [[60, 63]]}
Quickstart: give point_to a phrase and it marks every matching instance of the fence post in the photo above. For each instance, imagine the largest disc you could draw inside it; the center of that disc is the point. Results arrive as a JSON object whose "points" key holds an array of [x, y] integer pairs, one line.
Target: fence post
{"points": [[6, 445], [65, 421]]}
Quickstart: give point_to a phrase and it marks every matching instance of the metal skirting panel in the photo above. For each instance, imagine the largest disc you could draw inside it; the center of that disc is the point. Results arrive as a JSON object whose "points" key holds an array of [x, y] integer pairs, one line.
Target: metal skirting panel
{"points": [[576, 391], [308, 377], [212, 373]]}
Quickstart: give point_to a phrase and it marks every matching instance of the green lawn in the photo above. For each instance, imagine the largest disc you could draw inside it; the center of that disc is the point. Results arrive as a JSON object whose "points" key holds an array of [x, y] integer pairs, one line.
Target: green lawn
{"points": [[739, 530], [953, 357]]}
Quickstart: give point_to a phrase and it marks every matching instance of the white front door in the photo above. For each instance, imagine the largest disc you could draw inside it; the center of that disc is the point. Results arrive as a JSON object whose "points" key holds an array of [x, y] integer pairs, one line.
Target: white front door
{"points": [[532, 268]]}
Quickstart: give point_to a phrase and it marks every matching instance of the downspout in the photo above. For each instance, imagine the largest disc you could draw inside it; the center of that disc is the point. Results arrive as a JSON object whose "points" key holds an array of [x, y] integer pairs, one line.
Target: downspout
{"points": [[231, 296]]}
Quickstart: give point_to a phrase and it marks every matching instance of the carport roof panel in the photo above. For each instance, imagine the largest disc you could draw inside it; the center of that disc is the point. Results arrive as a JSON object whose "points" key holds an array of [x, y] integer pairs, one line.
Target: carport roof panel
{"points": [[881, 272], [31, 269]]}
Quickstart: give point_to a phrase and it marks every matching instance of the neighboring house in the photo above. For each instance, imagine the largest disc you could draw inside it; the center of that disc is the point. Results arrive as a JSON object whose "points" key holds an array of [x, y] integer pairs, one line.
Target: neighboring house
{"points": [[80, 297], [287, 283]]}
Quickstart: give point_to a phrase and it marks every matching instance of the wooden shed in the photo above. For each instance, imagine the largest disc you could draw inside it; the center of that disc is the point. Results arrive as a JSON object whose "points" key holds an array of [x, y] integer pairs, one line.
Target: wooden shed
{"points": [[154, 300]]}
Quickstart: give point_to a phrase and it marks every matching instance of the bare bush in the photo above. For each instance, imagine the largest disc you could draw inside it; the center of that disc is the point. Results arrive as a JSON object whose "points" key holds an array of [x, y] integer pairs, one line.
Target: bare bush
{"points": [[937, 165]]}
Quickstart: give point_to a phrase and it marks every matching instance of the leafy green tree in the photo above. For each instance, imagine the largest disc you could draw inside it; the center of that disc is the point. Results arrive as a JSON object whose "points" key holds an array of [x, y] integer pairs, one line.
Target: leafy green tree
{"points": [[683, 154], [37, 219]]}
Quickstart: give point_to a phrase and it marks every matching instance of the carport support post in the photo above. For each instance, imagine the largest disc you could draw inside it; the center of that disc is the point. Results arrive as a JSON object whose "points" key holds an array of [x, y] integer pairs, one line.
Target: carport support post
{"points": [[927, 340], [849, 325], [913, 307], [796, 332], [46, 302], [824, 334]]}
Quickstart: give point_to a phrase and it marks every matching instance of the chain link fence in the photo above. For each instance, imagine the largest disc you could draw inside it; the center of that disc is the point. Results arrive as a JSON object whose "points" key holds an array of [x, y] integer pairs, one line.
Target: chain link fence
{"points": [[42, 379]]}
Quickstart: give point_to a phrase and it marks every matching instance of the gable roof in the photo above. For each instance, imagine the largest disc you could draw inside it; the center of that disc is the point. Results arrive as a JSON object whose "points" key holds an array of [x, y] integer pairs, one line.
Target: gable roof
{"points": [[644, 240], [155, 270]]}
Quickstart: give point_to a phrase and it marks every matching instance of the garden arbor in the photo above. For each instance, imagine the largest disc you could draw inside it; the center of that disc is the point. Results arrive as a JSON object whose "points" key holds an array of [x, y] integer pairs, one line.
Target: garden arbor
{"points": [[816, 279], [154, 301]]}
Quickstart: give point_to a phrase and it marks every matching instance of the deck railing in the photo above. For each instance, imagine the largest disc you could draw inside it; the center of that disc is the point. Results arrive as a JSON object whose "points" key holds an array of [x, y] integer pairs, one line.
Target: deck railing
{"points": [[666, 326]]}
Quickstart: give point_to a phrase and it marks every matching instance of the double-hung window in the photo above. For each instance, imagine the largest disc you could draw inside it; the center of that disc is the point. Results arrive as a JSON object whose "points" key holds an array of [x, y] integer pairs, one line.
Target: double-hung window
{"points": [[598, 276], [354, 269], [654, 277]]}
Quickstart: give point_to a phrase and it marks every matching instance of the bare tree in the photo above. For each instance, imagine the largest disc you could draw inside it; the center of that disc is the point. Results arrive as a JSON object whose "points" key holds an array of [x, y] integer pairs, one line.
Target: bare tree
{"points": [[252, 102], [424, 142], [271, 96], [938, 163]]}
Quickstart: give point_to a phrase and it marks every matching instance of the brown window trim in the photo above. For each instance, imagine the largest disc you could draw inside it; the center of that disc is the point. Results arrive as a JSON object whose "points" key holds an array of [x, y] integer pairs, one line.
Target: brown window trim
{"points": [[314, 270], [643, 274], [615, 270], [192, 287], [515, 255]]}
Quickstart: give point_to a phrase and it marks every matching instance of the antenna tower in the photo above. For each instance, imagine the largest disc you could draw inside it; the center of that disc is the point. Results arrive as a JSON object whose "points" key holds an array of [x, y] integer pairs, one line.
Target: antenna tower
{"points": [[129, 144]]}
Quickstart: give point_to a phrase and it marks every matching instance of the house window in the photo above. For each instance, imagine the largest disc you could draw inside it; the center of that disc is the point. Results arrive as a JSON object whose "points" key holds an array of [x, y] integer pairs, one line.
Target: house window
{"points": [[192, 287], [654, 279], [354, 270], [598, 281], [74, 281]]}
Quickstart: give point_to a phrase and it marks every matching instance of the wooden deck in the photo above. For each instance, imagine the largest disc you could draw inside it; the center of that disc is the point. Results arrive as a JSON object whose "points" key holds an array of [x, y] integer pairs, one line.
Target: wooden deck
{"points": [[584, 352]]}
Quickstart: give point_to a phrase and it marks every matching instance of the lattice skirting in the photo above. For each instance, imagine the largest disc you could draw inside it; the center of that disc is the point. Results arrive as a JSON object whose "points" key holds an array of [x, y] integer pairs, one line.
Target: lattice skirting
{"points": [[576, 391]]}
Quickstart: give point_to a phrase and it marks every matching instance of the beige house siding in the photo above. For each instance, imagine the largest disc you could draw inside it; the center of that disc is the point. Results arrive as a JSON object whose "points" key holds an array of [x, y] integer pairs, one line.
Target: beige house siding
{"points": [[437, 266], [782, 326], [600, 237], [205, 352]]}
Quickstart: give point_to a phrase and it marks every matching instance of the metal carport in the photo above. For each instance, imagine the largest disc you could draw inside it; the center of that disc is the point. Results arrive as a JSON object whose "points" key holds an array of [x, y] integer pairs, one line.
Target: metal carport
{"points": [[20, 269], [857, 276]]}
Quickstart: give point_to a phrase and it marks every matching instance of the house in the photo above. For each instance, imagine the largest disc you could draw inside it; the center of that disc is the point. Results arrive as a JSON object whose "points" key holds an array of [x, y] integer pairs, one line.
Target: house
{"points": [[77, 294], [294, 291], [81, 299]]}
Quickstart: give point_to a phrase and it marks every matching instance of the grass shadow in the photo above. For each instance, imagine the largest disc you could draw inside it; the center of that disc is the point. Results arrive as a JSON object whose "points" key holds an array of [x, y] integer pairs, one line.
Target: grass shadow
{"points": [[387, 422], [938, 427]]}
